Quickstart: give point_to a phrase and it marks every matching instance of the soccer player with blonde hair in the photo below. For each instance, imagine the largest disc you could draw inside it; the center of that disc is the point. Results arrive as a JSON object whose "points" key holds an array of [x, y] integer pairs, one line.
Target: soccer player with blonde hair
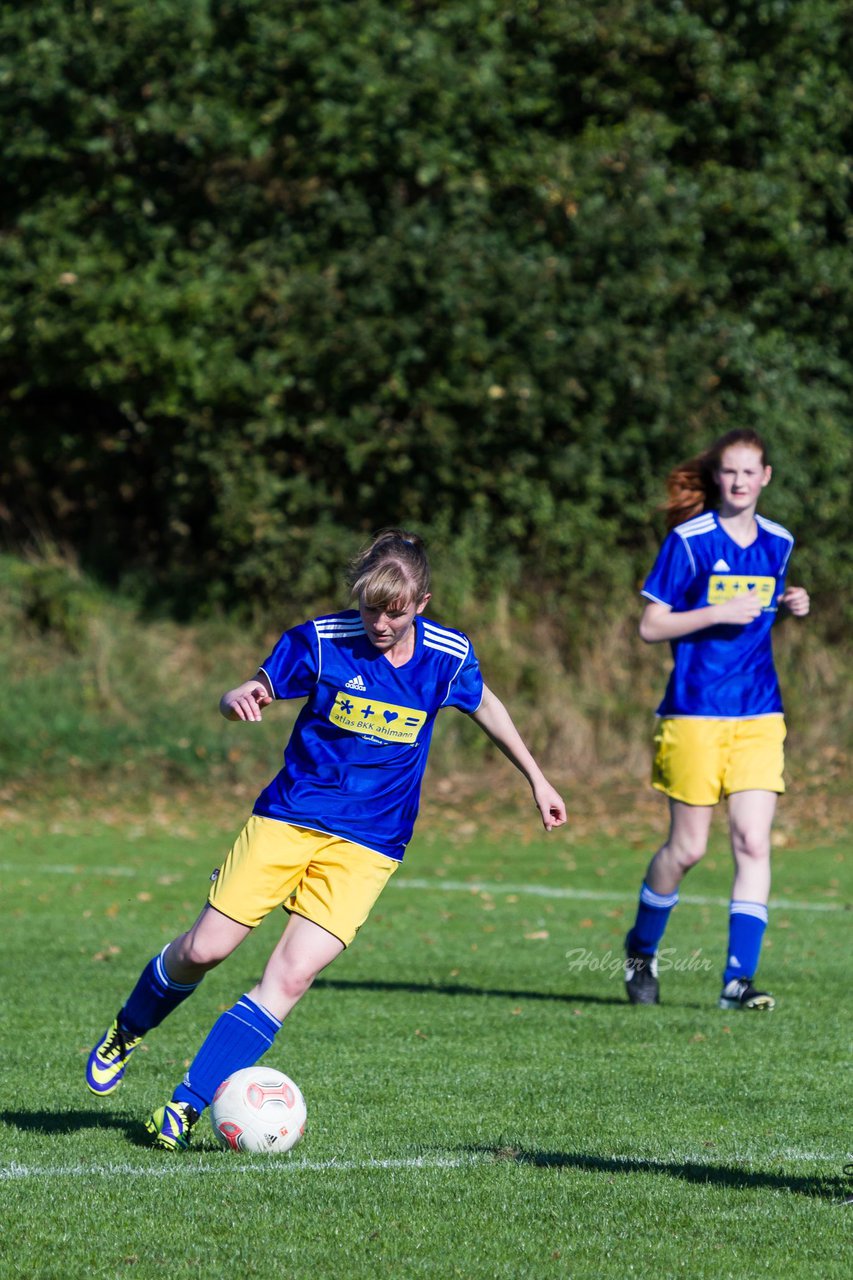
{"points": [[331, 828]]}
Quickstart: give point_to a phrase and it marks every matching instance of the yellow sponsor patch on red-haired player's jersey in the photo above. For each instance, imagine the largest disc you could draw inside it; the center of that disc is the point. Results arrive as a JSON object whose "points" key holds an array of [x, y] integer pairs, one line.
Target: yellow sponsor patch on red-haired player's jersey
{"points": [[725, 586]]}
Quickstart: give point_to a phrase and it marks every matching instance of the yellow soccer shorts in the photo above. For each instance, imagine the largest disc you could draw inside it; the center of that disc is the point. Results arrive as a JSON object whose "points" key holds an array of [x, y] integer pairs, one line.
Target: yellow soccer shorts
{"points": [[328, 880], [697, 761]]}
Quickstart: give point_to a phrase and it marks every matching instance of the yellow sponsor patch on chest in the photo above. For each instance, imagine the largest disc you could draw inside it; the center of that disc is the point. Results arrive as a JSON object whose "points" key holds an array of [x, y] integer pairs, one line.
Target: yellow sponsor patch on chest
{"points": [[377, 719], [725, 586]]}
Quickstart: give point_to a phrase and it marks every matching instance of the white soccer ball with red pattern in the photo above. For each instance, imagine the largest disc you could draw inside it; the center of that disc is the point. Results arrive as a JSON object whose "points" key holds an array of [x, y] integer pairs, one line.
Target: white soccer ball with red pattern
{"points": [[258, 1109]]}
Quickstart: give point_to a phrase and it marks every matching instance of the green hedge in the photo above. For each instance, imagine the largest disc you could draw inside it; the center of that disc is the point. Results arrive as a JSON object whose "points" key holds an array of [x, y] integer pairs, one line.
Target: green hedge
{"points": [[275, 274]]}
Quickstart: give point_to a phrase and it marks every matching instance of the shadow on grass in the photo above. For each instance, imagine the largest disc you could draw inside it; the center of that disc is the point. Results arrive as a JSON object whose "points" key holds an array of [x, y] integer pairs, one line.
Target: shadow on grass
{"points": [[459, 989], [52, 1123], [820, 1186]]}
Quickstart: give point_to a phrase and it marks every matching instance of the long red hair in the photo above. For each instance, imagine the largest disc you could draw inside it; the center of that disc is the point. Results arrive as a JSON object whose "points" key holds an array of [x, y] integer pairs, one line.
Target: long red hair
{"points": [[692, 488]]}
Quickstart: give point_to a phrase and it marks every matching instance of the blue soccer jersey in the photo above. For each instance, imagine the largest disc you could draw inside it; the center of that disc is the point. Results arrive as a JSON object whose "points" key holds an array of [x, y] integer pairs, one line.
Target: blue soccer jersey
{"points": [[724, 671], [355, 760]]}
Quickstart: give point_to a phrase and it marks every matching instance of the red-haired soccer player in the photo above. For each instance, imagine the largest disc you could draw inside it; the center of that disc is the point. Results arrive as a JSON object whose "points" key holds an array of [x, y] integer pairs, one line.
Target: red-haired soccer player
{"points": [[714, 593]]}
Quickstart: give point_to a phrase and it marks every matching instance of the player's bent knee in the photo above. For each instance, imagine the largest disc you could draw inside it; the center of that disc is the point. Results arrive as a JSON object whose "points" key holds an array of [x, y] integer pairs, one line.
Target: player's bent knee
{"points": [[190, 952], [204, 958], [294, 983], [687, 855], [751, 849]]}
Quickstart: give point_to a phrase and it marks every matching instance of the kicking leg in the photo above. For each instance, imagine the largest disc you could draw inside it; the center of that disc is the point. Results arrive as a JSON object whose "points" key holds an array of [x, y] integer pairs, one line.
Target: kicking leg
{"points": [[165, 982], [244, 1033]]}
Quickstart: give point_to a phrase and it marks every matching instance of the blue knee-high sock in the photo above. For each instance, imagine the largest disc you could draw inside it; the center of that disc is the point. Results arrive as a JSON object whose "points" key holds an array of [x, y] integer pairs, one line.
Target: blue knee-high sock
{"points": [[238, 1038], [747, 922], [153, 998], [652, 917]]}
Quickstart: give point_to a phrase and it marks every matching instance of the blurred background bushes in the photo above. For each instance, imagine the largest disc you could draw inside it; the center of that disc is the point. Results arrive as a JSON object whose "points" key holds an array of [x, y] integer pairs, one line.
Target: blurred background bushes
{"points": [[276, 274]]}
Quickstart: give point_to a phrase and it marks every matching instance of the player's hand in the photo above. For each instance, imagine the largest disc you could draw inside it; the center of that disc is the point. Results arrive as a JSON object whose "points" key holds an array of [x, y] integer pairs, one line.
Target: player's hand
{"points": [[796, 601], [742, 609], [551, 808], [246, 702]]}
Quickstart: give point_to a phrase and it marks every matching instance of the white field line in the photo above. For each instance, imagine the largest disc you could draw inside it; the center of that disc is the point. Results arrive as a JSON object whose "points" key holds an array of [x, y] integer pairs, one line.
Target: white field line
{"points": [[438, 885], [54, 869], [186, 1166], [227, 1165], [589, 895]]}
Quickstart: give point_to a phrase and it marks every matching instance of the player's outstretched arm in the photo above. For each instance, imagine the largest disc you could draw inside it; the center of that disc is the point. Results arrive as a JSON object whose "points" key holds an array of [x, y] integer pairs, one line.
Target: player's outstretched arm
{"points": [[248, 700], [494, 719]]}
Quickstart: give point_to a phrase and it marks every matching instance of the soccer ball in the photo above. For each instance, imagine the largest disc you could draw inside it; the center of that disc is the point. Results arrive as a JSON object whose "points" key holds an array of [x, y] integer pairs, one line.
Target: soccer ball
{"points": [[258, 1109]]}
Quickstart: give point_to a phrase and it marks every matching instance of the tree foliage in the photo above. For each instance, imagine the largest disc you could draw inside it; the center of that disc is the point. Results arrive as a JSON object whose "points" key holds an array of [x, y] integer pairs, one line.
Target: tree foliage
{"points": [[276, 274]]}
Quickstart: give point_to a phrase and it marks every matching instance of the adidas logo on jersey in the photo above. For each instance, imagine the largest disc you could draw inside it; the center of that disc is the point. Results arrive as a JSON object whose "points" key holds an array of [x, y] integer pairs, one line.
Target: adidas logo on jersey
{"points": [[721, 567], [356, 683]]}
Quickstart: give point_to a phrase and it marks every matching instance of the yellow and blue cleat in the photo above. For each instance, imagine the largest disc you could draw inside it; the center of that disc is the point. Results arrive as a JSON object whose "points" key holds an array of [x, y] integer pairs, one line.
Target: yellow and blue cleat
{"points": [[171, 1126], [109, 1058]]}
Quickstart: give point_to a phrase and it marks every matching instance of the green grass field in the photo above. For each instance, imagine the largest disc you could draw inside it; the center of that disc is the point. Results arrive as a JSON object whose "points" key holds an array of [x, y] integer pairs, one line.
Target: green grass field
{"points": [[482, 1102]]}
